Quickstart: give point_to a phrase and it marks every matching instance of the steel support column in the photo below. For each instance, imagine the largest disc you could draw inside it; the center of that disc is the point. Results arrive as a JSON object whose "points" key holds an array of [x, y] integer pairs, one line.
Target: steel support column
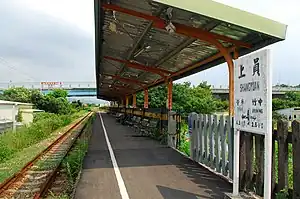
{"points": [[169, 95], [134, 100], [146, 102], [127, 101], [122, 102]]}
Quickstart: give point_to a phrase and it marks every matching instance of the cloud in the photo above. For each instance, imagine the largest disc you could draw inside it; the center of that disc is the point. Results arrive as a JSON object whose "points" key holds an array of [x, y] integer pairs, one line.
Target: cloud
{"points": [[53, 41], [40, 47]]}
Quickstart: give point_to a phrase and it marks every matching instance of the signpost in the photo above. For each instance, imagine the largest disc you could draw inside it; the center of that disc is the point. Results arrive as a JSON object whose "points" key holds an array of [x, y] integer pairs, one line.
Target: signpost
{"points": [[253, 109], [50, 84]]}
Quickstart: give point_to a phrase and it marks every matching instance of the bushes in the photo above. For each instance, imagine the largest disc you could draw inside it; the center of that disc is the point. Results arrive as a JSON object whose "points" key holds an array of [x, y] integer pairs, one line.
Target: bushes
{"points": [[44, 124], [184, 145], [54, 102]]}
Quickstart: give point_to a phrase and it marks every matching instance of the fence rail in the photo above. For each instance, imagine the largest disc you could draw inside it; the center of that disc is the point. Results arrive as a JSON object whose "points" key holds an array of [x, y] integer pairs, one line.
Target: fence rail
{"points": [[212, 142], [285, 160], [212, 145]]}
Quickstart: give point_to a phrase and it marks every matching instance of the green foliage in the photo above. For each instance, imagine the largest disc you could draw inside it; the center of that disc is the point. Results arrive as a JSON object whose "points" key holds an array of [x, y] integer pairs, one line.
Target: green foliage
{"points": [[184, 145], [283, 194], [58, 93], [19, 94], [19, 116], [73, 162], [77, 104], [54, 105], [186, 98], [53, 102], [44, 125], [291, 99]]}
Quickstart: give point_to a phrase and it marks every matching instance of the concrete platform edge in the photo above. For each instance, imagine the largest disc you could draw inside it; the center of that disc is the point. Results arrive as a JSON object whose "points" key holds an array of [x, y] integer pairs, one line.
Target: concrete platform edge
{"points": [[230, 196]]}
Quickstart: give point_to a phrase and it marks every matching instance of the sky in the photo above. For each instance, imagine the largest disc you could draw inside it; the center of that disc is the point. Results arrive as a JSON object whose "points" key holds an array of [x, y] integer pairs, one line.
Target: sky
{"points": [[53, 40]]}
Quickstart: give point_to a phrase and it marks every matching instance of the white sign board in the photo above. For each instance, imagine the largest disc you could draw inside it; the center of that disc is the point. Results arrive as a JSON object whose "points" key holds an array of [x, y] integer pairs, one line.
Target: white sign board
{"points": [[251, 87]]}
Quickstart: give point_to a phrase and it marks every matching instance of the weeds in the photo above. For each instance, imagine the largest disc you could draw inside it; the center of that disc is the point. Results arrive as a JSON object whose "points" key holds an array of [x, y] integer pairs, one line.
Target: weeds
{"points": [[44, 124], [283, 194], [184, 145], [73, 162]]}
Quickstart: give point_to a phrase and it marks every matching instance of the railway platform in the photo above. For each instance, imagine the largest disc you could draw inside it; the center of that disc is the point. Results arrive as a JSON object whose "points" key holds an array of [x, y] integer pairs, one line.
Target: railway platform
{"points": [[121, 165]]}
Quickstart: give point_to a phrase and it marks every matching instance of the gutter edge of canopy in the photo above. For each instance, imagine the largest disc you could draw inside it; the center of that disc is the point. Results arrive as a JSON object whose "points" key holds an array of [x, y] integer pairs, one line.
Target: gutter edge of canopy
{"points": [[231, 15]]}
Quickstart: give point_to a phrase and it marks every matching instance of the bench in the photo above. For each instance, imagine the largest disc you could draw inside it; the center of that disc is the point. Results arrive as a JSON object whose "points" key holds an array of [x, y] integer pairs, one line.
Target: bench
{"points": [[142, 129], [119, 117], [125, 119], [131, 121], [136, 124], [151, 127]]}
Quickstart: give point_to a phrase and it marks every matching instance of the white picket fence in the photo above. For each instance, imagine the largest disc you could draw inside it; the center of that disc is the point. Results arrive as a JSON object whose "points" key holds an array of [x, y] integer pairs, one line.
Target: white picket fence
{"points": [[212, 142]]}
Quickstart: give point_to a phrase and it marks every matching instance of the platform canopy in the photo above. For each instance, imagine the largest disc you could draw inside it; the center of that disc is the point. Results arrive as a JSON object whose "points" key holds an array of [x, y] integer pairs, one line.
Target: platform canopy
{"points": [[143, 43]]}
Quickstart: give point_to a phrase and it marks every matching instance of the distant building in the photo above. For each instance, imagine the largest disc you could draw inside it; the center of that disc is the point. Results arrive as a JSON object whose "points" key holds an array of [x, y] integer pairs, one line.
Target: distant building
{"points": [[11, 111], [290, 113]]}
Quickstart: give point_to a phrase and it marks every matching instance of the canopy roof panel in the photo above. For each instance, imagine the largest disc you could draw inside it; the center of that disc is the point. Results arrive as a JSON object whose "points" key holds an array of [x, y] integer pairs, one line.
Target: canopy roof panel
{"points": [[135, 51]]}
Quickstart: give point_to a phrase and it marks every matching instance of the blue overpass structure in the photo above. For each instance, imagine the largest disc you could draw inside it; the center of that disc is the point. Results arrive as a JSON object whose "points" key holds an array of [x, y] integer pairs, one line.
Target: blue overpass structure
{"points": [[221, 93], [88, 89]]}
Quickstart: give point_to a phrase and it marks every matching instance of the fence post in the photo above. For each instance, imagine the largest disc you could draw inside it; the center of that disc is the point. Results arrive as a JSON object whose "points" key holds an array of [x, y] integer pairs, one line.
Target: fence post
{"points": [[196, 142], [210, 132], [296, 159], [229, 127], [282, 155], [249, 161], [223, 145], [273, 162], [193, 137], [259, 156], [242, 160], [217, 144], [201, 147], [205, 139], [212, 141]]}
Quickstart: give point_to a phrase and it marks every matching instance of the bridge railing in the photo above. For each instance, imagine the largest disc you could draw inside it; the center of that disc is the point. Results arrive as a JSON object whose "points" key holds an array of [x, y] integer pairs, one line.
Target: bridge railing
{"points": [[38, 85]]}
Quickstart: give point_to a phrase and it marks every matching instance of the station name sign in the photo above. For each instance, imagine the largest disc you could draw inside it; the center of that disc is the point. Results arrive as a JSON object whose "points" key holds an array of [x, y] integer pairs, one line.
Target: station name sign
{"points": [[251, 92]]}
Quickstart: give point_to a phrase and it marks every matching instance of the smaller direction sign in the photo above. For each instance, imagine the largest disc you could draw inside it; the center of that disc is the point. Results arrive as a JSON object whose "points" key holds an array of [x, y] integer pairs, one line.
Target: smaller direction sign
{"points": [[251, 92]]}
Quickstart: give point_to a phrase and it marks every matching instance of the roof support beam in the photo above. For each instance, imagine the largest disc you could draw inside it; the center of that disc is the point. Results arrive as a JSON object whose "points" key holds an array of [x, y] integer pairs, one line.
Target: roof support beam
{"points": [[180, 28], [132, 81], [119, 87], [209, 26], [151, 69], [193, 66], [138, 43], [168, 55]]}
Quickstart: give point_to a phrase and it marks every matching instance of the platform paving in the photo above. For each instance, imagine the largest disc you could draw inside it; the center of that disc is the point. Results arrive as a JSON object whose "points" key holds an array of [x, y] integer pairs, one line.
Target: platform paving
{"points": [[149, 170]]}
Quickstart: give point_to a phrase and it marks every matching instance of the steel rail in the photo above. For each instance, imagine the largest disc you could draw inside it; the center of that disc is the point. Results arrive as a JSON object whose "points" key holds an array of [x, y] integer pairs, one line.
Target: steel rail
{"points": [[10, 181]]}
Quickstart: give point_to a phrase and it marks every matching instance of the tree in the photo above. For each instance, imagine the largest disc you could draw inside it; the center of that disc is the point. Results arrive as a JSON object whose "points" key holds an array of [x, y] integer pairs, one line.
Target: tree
{"points": [[54, 102], [185, 98], [51, 104], [57, 93], [19, 94]]}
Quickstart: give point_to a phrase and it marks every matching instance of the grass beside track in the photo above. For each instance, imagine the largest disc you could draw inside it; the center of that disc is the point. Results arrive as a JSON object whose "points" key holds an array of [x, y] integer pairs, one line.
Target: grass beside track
{"points": [[72, 164], [16, 149]]}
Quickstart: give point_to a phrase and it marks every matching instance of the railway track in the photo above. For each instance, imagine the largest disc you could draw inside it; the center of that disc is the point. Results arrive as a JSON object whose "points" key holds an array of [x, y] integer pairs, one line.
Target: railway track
{"points": [[34, 179]]}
